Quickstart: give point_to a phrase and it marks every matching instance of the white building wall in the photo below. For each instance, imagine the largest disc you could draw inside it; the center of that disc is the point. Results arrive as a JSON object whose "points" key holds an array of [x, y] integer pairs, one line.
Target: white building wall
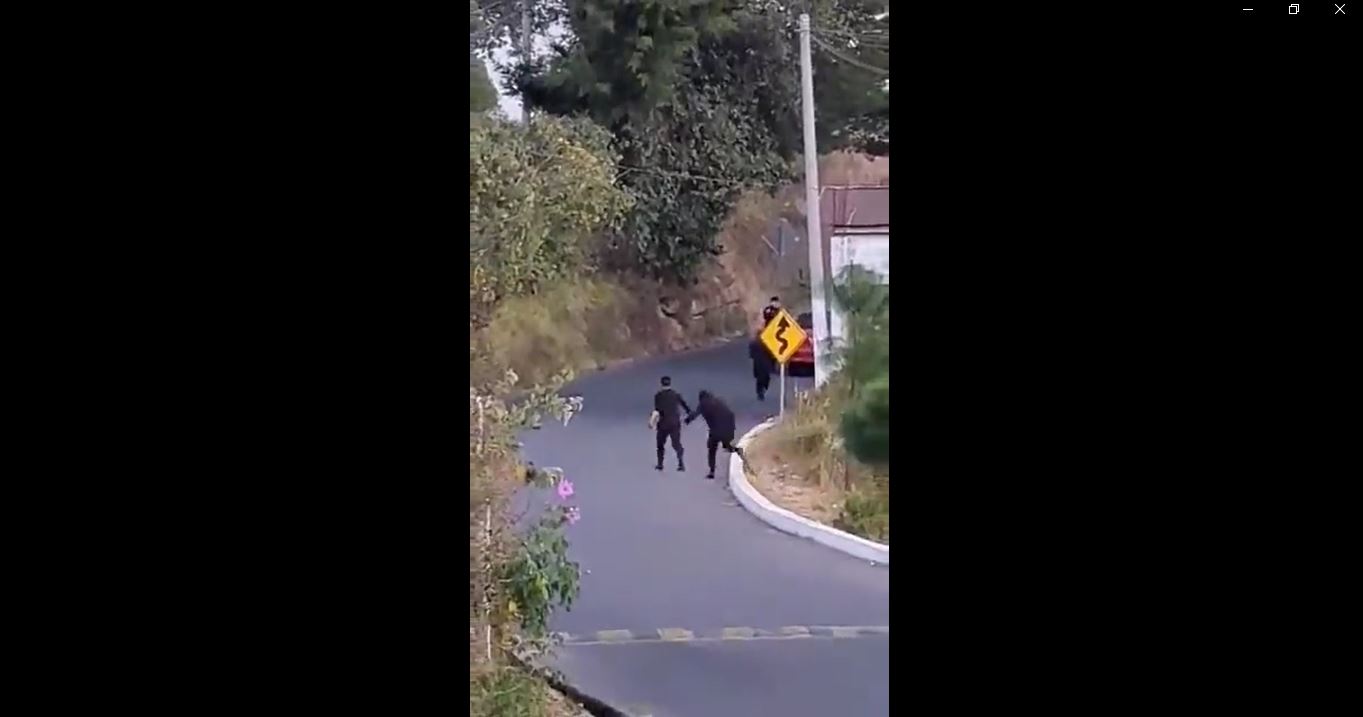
{"points": [[870, 250]]}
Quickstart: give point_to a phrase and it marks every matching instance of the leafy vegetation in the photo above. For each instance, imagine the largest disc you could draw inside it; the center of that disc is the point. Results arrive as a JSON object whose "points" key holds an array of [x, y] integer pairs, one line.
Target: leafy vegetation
{"points": [[866, 423], [538, 199], [699, 99], [851, 87], [865, 362], [496, 691], [516, 579]]}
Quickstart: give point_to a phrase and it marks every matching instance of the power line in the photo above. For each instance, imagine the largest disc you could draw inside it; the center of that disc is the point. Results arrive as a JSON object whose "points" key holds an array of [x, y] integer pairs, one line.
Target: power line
{"points": [[858, 63], [858, 36], [857, 44], [879, 43]]}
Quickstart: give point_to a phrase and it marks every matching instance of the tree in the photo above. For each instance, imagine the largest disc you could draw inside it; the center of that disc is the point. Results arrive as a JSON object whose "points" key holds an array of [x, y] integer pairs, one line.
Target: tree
{"points": [[538, 199], [851, 44], [866, 423], [864, 302], [701, 100]]}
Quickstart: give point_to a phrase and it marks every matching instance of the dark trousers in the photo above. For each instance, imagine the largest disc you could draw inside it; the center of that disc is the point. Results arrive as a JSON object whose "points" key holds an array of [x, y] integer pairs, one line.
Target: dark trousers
{"points": [[714, 442], [663, 434], [763, 382]]}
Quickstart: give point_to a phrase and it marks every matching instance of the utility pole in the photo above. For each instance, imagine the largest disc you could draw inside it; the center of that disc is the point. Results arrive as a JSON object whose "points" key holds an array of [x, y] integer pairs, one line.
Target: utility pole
{"points": [[813, 222], [525, 52]]}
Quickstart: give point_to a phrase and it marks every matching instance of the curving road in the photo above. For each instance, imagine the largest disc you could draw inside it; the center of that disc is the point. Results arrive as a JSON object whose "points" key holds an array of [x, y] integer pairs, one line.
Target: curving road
{"points": [[673, 550]]}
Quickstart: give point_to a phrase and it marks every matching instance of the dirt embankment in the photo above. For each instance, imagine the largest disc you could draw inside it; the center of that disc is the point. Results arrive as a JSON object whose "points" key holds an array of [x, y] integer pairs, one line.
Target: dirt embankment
{"points": [[591, 323]]}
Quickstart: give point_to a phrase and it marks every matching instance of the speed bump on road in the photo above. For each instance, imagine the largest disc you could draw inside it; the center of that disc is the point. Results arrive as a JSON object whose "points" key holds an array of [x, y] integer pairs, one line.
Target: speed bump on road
{"points": [[723, 634]]}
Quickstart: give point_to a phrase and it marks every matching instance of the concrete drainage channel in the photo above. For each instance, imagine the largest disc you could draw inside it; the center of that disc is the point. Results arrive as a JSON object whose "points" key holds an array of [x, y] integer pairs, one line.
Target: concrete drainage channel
{"points": [[788, 522]]}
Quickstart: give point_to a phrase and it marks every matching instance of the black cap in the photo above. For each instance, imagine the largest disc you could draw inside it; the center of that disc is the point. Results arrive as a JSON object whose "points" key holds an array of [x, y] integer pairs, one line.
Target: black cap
{"points": [[667, 380]]}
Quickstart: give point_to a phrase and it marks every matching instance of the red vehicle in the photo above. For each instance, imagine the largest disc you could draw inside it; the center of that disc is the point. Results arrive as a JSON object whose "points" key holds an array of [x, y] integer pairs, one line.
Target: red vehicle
{"points": [[802, 363]]}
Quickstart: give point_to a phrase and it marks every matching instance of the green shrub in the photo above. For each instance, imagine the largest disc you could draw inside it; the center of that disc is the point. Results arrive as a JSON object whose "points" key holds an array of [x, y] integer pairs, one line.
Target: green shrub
{"points": [[539, 197], [866, 511], [866, 423], [864, 302]]}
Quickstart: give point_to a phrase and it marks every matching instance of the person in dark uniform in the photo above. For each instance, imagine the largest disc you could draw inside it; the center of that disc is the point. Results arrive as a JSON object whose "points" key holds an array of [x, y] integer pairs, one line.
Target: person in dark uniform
{"points": [[763, 365], [721, 422], [770, 310], [669, 405]]}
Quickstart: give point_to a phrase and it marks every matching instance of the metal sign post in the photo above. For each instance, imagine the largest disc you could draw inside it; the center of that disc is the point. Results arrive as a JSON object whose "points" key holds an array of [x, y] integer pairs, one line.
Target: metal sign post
{"points": [[783, 390]]}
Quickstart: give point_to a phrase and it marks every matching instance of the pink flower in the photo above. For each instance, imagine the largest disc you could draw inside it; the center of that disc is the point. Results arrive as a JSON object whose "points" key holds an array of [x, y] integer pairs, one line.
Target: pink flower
{"points": [[573, 515], [565, 488]]}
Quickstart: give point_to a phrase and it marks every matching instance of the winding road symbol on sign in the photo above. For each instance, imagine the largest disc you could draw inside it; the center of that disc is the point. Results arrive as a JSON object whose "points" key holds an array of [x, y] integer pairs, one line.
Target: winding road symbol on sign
{"points": [[783, 337]]}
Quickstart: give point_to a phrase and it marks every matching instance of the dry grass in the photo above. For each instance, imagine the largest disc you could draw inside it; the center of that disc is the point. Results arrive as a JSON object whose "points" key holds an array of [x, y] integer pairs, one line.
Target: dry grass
{"points": [[536, 336], [800, 465], [592, 322], [847, 168], [507, 691]]}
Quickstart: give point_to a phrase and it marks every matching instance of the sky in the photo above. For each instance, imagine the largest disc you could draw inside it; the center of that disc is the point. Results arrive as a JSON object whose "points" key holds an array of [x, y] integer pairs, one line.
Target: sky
{"points": [[511, 106]]}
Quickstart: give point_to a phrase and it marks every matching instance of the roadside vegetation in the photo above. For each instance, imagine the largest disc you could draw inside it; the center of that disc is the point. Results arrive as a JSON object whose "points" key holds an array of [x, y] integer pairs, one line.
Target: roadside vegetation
{"points": [[632, 216], [828, 460]]}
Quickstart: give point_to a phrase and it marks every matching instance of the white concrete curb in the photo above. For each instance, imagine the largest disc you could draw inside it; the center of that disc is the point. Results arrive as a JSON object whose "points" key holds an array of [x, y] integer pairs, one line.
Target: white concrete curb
{"points": [[788, 522]]}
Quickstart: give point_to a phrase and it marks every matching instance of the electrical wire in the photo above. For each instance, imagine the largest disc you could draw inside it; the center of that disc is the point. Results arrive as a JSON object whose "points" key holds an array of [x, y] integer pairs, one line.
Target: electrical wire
{"points": [[835, 53], [876, 36], [855, 44]]}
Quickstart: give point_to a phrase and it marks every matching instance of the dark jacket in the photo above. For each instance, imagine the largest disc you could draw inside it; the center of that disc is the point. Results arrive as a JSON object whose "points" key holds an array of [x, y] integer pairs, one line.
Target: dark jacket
{"points": [[763, 363], [717, 415], [769, 313], [669, 404]]}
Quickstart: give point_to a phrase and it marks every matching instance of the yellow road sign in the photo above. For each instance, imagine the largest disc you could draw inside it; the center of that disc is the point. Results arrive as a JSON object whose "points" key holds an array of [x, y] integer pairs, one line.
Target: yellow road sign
{"points": [[783, 336]]}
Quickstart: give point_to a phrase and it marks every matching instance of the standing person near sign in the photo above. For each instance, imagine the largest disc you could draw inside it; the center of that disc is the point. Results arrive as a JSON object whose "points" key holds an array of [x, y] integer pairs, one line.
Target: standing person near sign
{"points": [[770, 311], [667, 409], [721, 422], [763, 364]]}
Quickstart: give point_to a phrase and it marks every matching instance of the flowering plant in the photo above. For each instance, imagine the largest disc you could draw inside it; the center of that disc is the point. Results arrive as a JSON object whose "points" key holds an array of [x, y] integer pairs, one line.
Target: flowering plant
{"points": [[542, 577]]}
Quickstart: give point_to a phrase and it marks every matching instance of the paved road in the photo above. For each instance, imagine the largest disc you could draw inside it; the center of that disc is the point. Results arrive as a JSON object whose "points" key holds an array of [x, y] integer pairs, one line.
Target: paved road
{"points": [[673, 550]]}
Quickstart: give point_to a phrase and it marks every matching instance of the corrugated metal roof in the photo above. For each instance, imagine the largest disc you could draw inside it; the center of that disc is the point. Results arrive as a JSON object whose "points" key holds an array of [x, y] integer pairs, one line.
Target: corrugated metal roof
{"points": [[854, 207], [851, 208]]}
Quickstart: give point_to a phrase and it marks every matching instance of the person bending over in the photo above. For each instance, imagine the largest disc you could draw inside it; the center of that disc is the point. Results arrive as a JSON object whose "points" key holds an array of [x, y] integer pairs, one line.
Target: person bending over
{"points": [[721, 423]]}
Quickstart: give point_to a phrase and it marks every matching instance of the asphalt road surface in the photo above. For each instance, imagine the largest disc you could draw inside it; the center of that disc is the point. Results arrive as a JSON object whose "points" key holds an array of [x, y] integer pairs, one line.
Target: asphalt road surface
{"points": [[675, 552]]}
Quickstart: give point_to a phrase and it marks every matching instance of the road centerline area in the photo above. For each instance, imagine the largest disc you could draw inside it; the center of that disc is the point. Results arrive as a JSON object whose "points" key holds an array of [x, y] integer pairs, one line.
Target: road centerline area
{"points": [[677, 634]]}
